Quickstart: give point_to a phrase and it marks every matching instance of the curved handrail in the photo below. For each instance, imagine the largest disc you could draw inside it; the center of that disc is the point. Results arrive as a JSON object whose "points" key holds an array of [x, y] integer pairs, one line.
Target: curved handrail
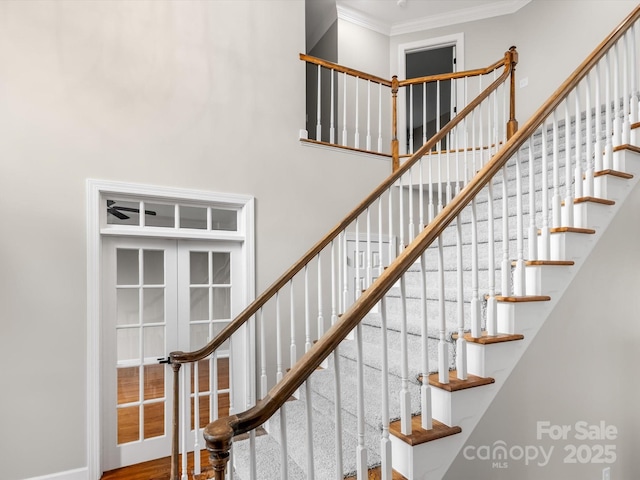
{"points": [[254, 307], [218, 435]]}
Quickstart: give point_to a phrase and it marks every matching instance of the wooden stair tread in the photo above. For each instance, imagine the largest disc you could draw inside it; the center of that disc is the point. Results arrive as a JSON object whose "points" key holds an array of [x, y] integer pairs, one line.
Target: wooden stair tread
{"points": [[455, 384], [376, 474], [550, 263], [613, 173], [602, 201], [635, 125], [626, 146], [523, 298], [589, 231], [487, 339], [419, 435]]}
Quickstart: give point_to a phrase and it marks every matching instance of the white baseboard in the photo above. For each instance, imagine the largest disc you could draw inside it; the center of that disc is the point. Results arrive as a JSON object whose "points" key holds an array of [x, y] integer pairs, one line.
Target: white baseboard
{"points": [[77, 474]]}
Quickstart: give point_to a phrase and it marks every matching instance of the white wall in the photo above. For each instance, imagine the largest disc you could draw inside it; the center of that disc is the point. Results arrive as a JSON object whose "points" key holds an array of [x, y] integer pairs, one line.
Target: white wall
{"points": [[579, 368], [552, 37], [202, 95]]}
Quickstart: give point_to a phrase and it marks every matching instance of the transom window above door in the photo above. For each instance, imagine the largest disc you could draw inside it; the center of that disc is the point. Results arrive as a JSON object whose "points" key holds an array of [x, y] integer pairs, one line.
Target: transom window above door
{"points": [[122, 211]]}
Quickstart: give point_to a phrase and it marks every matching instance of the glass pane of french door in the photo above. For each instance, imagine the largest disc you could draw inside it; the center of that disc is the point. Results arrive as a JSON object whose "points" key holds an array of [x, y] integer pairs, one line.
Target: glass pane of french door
{"points": [[139, 327], [210, 295]]}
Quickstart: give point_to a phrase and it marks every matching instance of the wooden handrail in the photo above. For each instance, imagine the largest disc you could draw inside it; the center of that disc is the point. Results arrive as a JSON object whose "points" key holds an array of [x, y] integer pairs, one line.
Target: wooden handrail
{"points": [[347, 70], [219, 434], [452, 76], [252, 309]]}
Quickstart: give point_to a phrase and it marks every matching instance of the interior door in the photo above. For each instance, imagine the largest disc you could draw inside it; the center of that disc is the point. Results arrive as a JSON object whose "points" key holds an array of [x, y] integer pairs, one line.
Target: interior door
{"points": [[139, 327], [422, 63], [160, 296]]}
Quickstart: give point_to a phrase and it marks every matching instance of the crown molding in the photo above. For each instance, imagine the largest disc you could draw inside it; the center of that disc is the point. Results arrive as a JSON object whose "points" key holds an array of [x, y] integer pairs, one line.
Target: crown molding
{"points": [[363, 20], [490, 10]]}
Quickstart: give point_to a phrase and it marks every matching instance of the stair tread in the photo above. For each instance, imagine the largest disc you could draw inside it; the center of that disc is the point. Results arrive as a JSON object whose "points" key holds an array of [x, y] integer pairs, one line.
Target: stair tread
{"points": [[589, 231], [486, 339], [455, 384], [613, 173], [523, 298], [550, 263], [627, 146], [419, 435], [376, 474]]}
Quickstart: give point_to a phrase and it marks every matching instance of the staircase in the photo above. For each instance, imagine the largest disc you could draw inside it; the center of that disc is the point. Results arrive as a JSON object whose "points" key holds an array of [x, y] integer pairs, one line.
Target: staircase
{"points": [[403, 375]]}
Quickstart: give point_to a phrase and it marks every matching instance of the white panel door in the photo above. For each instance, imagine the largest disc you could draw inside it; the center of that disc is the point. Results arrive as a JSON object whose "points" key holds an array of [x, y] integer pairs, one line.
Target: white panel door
{"points": [[139, 327]]}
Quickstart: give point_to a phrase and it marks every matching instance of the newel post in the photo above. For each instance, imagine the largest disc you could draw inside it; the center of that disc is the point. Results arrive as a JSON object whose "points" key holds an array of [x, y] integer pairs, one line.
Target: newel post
{"points": [[218, 437], [395, 156], [511, 57]]}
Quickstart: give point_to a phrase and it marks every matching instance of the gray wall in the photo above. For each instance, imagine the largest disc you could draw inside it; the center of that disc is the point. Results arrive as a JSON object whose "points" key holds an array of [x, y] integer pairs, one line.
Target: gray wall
{"points": [[579, 368], [202, 95]]}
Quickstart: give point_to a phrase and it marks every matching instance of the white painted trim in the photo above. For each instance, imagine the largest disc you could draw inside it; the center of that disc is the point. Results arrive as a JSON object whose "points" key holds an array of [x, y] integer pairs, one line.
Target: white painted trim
{"points": [[337, 149], [77, 474], [455, 17], [455, 39], [95, 190]]}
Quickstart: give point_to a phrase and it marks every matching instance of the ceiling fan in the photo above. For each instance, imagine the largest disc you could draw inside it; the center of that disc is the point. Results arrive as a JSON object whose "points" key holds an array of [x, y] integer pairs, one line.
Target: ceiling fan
{"points": [[116, 210]]}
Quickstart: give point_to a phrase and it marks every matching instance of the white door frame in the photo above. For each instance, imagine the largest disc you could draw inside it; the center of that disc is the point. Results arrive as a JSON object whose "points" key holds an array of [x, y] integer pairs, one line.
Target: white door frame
{"points": [[456, 40], [96, 191]]}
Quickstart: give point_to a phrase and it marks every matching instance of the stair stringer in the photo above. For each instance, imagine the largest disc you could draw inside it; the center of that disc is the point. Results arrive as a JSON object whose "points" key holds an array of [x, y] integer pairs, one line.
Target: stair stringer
{"points": [[432, 460]]}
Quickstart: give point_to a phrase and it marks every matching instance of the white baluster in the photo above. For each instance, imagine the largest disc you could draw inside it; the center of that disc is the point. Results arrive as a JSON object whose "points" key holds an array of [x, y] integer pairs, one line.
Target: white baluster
{"points": [[361, 450], [545, 237], [279, 368], [284, 455], [293, 353], [392, 253], [608, 149], [519, 273], [263, 357], [385, 442], [556, 201], [401, 202], [307, 311], [380, 117], [338, 412], [578, 142], [405, 398], [368, 114], [421, 194], [505, 268], [410, 149], [214, 411], [443, 348], [633, 61], [598, 147], [184, 421], [319, 106], [320, 313], [617, 120], [332, 123], [334, 285], [533, 229], [369, 256], [425, 389], [475, 300], [492, 316], [412, 228], [588, 172], [424, 113], [461, 343], [309, 422], [196, 419], [345, 136], [345, 270], [253, 474], [626, 93], [432, 208], [249, 382], [356, 263], [567, 219], [357, 115]]}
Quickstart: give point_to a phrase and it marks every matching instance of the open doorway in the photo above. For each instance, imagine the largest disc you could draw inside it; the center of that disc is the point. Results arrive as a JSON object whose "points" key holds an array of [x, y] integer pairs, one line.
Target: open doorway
{"points": [[425, 58]]}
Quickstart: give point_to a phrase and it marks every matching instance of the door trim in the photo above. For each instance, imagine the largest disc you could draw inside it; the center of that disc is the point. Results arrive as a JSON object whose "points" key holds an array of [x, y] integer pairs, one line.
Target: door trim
{"points": [[95, 190], [456, 40]]}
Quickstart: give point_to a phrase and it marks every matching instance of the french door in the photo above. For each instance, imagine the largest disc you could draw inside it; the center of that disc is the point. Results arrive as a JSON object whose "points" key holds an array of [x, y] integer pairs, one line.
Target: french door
{"points": [[159, 296]]}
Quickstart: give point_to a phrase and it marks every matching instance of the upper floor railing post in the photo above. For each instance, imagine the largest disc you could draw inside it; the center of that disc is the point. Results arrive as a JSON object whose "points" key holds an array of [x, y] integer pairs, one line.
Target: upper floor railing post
{"points": [[395, 155], [511, 58]]}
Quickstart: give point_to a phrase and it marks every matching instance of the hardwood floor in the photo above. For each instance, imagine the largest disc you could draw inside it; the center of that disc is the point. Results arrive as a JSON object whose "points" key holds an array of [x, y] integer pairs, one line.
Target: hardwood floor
{"points": [[158, 469]]}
